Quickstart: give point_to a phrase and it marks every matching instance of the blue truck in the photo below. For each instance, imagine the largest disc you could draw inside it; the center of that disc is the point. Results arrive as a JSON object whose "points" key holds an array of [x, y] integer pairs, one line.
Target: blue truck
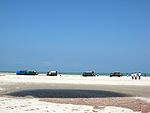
{"points": [[26, 72]]}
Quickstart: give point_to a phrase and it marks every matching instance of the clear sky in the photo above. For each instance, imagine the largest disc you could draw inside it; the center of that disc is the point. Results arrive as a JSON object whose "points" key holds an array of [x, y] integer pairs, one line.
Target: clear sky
{"points": [[75, 35]]}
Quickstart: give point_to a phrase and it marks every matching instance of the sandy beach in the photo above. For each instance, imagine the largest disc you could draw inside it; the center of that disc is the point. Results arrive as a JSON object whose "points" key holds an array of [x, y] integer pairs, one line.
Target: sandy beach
{"points": [[74, 56], [73, 94]]}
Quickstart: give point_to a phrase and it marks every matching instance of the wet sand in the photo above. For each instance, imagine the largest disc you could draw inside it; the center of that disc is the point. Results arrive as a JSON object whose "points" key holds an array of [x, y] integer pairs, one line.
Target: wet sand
{"points": [[74, 90]]}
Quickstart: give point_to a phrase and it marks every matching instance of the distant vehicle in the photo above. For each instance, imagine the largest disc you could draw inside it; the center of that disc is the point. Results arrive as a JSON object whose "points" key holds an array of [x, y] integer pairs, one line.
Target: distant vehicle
{"points": [[52, 73], [25, 72], [88, 73], [116, 74]]}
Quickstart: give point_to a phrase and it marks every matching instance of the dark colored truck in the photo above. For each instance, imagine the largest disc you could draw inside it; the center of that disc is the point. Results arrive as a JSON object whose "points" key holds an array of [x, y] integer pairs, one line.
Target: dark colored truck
{"points": [[116, 74], [88, 73]]}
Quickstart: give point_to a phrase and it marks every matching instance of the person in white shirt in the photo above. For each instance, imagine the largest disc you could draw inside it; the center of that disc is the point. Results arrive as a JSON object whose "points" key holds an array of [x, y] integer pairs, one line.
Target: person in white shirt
{"points": [[132, 75], [135, 75], [139, 75]]}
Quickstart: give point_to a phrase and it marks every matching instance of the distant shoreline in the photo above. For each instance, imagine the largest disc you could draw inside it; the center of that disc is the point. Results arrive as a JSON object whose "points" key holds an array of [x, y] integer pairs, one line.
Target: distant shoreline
{"points": [[74, 73]]}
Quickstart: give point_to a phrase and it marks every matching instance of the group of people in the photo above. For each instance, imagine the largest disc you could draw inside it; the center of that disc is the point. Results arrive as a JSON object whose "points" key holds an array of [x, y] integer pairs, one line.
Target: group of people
{"points": [[136, 75]]}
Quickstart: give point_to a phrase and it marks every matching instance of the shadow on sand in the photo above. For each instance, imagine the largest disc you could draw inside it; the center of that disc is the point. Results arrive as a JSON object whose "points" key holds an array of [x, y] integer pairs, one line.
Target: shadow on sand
{"points": [[66, 93]]}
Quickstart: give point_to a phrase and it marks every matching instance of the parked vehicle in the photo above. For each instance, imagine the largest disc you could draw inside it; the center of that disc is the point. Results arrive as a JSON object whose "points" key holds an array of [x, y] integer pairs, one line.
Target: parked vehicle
{"points": [[116, 74], [88, 73], [32, 73], [22, 72], [26, 72], [52, 73]]}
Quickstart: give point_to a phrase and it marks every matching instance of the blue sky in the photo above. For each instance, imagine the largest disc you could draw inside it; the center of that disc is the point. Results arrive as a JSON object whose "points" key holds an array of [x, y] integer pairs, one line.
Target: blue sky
{"points": [[75, 35]]}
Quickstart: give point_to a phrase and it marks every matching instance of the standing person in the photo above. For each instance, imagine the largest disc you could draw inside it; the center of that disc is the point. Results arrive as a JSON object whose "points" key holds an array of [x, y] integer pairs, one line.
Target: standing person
{"points": [[139, 75], [135, 74], [132, 75]]}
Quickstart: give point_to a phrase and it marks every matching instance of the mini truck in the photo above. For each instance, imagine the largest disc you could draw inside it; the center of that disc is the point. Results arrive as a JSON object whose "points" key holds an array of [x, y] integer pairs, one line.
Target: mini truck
{"points": [[88, 73], [116, 74], [25, 72], [52, 73]]}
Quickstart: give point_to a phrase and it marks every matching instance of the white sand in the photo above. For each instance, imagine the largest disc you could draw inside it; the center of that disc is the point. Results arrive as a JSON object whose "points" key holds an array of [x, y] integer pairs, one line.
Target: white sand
{"points": [[21, 105], [147, 99], [7, 79]]}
